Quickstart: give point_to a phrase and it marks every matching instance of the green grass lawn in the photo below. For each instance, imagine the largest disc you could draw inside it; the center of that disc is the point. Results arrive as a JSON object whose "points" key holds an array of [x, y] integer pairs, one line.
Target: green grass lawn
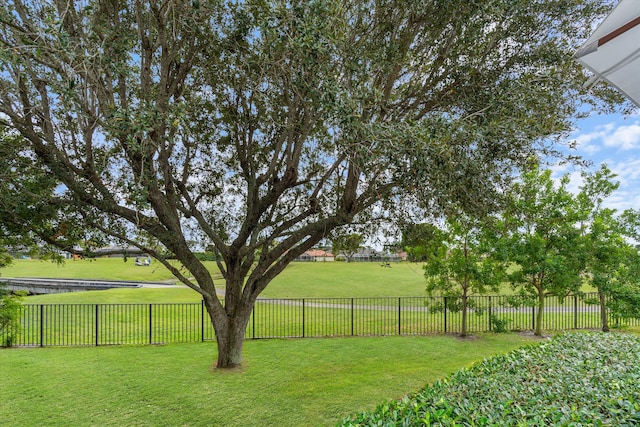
{"points": [[101, 268], [299, 280], [312, 382], [347, 280], [283, 382]]}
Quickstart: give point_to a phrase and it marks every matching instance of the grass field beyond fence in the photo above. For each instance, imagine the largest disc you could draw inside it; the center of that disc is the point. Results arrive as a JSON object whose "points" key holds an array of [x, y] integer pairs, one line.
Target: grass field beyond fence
{"points": [[298, 280]]}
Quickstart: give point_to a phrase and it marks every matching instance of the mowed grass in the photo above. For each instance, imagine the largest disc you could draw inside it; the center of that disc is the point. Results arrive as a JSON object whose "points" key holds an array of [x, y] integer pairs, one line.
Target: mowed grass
{"points": [[101, 268], [348, 280], [310, 382], [298, 280]]}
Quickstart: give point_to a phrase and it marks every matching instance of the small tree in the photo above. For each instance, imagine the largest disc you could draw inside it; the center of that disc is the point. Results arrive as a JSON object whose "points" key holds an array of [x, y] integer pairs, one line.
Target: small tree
{"points": [[462, 265], [624, 301], [540, 236], [603, 246], [615, 263], [347, 245], [610, 262], [10, 312]]}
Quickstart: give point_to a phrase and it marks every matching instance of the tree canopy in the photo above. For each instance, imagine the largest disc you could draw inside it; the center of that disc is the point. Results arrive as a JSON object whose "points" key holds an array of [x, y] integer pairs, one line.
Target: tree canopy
{"points": [[347, 244], [422, 241], [28, 221], [259, 127]]}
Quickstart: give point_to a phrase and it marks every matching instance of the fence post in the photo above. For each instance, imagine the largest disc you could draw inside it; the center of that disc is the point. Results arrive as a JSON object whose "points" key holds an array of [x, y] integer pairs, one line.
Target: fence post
{"points": [[575, 312], [150, 323], [445, 314], [202, 308], [253, 321], [97, 325], [399, 317], [302, 317], [351, 316], [490, 326], [41, 325]]}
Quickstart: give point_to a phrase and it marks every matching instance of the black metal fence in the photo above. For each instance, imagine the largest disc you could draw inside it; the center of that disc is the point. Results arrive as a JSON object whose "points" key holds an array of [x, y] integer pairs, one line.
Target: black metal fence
{"points": [[115, 324]]}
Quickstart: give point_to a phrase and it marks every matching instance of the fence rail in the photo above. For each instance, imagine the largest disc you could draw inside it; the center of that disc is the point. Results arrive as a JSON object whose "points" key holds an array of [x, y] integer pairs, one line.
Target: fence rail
{"points": [[115, 324]]}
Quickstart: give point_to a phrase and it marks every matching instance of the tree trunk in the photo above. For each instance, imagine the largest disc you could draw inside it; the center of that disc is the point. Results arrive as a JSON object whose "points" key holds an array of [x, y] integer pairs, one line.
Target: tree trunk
{"points": [[230, 340], [538, 329], [463, 331], [230, 327], [604, 315]]}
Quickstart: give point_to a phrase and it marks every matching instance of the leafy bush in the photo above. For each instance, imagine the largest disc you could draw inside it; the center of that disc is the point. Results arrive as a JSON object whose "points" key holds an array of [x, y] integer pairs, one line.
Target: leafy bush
{"points": [[499, 325], [576, 379], [10, 311]]}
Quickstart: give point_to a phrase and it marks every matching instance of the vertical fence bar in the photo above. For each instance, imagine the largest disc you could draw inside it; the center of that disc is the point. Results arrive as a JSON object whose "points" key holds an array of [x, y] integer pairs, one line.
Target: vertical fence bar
{"points": [[352, 319], [97, 310], [489, 318], [575, 312], [399, 316], [150, 323], [303, 319], [202, 321], [41, 325], [533, 317], [445, 314]]}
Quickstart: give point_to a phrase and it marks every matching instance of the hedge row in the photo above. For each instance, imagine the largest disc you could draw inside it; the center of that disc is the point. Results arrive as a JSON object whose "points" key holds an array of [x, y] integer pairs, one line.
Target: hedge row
{"points": [[577, 379]]}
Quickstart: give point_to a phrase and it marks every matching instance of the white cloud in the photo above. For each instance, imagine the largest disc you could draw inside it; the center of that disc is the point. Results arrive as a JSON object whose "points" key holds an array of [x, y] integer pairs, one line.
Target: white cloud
{"points": [[613, 140], [627, 171], [611, 135], [586, 141], [624, 137], [627, 174]]}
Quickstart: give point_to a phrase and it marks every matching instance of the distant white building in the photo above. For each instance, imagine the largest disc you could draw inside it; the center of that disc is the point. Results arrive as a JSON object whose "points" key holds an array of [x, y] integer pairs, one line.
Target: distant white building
{"points": [[315, 255]]}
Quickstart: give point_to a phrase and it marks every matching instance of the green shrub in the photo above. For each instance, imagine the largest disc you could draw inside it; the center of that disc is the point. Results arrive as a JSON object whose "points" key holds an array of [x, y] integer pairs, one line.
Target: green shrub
{"points": [[575, 379], [10, 312], [498, 324]]}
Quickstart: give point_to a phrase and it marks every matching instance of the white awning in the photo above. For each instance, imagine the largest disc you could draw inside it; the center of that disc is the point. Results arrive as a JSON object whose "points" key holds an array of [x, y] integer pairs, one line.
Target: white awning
{"points": [[613, 50]]}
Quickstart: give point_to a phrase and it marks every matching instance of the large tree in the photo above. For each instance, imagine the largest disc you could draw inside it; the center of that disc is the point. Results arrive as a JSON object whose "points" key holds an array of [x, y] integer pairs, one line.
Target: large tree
{"points": [[260, 126]]}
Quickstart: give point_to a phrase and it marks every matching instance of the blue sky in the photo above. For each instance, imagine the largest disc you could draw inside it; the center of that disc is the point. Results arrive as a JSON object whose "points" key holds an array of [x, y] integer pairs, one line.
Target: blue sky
{"points": [[615, 140]]}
